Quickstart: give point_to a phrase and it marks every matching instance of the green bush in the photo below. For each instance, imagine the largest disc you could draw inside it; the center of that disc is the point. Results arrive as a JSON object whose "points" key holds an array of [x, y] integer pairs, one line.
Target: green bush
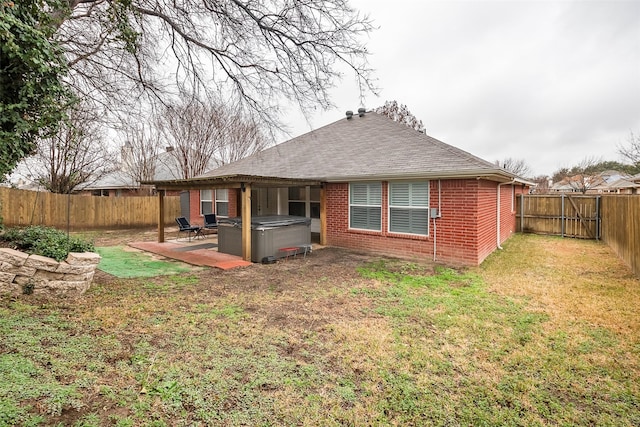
{"points": [[46, 241]]}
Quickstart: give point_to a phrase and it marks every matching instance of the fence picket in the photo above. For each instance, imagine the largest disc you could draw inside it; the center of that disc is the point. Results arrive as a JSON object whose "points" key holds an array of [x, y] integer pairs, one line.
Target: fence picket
{"points": [[23, 208]]}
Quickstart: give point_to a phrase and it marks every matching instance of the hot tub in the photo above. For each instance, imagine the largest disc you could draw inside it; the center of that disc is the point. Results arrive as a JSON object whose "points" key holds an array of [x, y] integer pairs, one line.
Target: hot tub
{"points": [[269, 234]]}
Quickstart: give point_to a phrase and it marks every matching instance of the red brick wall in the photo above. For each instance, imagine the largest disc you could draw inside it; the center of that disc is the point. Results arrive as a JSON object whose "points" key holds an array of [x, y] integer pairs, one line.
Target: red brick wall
{"points": [[194, 208], [465, 234], [487, 219], [234, 209], [456, 232]]}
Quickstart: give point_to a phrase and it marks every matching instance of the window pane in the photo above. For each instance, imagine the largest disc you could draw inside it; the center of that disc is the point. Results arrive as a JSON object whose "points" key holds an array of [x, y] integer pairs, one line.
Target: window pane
{"points": [[366, 193], [205, 195], [315, 210], [420, 194], [409, 207], [222, 208], [365, 209], [366, 218], [222, 195], [412, 221], [359, 194], [315, 194], [205, 207], [297, 193], [297, 209], [400, 194]]}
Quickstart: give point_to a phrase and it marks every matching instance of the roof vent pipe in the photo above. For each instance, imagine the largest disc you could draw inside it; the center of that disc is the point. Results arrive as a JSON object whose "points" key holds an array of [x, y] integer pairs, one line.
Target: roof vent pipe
{"points": [[361, 111], [349, 114]]}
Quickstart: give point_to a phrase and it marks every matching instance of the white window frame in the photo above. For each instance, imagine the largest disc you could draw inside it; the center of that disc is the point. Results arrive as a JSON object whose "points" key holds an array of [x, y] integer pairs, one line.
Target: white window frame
{"points": [[221, 196], [368, 205], [206, 199], [410, 207]]}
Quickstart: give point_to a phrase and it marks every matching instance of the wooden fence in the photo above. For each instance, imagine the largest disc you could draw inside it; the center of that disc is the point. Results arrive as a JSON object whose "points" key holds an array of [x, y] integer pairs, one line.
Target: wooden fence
{"points": [[613, 218], [23, 208], [621, 227], [561, 215]]}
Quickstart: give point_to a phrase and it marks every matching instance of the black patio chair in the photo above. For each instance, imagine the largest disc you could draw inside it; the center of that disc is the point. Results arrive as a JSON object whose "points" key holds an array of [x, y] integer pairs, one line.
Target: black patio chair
{"points": [[210, 222], [185, 227]]}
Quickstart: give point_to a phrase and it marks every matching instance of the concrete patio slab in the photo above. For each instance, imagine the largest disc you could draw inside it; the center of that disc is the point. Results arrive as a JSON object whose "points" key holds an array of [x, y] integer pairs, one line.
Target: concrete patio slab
{"points": [[207, 257]]}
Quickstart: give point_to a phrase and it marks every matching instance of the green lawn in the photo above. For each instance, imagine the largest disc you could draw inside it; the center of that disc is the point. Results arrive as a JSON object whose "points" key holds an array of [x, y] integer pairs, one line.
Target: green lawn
{"points": [[334, 339], [126, 263]]}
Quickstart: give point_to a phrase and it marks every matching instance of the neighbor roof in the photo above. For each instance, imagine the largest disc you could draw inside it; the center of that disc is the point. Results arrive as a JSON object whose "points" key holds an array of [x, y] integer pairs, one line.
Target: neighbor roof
{"points": [[371, 146]]}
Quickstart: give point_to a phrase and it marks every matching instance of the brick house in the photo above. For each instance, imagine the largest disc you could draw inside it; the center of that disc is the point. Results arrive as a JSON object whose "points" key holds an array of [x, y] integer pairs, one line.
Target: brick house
{"points": [[370, 183]]}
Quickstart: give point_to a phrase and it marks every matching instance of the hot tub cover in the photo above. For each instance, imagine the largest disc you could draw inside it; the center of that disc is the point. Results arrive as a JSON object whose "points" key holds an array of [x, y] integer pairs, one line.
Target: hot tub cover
{"points": [[268, 221]]}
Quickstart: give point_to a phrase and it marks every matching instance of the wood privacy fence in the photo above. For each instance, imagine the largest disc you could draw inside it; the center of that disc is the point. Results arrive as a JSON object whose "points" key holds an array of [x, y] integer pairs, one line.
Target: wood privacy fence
{"points": [[560, 215], [23, 208], [613, 218], [621, 227]]}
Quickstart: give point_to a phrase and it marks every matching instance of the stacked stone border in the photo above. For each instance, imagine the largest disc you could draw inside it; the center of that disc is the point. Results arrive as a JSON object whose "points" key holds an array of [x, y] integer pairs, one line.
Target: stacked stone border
{"points": [[21, 273]]}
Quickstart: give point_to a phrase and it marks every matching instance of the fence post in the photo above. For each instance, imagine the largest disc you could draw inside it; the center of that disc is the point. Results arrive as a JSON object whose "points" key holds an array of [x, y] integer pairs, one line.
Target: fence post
{"points": [[562, 217], [522, 213], [598, 217]]}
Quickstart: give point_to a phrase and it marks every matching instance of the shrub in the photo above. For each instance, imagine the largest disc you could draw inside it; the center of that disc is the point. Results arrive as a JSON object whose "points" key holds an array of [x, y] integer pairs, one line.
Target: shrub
{"points": [[46, 241]]}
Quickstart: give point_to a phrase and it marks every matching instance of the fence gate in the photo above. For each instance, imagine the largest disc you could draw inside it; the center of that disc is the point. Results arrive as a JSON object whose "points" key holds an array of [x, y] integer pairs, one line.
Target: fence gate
{"points": [[565, 215]]}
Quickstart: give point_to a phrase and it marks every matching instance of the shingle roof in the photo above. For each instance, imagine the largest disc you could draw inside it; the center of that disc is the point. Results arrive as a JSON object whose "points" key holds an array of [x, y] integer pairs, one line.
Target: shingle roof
{"points": [[368, 147]]}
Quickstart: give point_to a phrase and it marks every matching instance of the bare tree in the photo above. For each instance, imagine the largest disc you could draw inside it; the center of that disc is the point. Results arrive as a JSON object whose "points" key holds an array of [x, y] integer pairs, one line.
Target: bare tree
{"points": [[516, 166], [542, 184], [581, 176], [400, 113], [260, 53], [138, 156], [75, 155], [631, 151], [202, 136], [243, 138]]}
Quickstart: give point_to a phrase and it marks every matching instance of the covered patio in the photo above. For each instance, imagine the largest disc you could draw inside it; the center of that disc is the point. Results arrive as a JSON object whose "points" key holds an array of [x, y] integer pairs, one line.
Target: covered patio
{"points": [[243, 183]]}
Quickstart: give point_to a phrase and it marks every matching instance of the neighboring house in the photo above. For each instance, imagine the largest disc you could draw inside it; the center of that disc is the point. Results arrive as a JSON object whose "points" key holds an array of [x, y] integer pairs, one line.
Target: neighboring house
{"points": [[114, 184], [121, 183], [607, 182], [624, 186], [370, 183]]}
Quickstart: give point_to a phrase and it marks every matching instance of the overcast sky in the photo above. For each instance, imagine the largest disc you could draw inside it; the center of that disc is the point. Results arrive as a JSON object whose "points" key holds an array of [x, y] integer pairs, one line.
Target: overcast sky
{"points": [[551, 82]]}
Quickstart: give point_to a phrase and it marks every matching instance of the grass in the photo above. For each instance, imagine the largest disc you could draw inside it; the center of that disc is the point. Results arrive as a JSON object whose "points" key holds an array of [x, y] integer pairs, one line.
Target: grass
{"points": [[521, 340], [128, 264]]}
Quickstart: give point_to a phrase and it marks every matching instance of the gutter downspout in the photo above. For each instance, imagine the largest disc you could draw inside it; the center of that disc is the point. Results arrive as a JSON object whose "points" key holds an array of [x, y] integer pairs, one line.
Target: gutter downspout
{"points": [[498, 213], [439, 214]]}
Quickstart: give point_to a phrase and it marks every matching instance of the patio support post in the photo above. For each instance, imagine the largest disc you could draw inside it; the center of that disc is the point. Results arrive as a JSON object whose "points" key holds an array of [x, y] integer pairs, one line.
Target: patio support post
{"points": [[323, 215], [246, 222], [161, 216]]}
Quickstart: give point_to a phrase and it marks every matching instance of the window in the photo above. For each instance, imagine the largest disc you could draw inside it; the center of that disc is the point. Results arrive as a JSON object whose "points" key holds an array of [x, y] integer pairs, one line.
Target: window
{"points": [[409, 207], [365, 206], [222, 202], [297, 198], [206, 204], [315, 202]]}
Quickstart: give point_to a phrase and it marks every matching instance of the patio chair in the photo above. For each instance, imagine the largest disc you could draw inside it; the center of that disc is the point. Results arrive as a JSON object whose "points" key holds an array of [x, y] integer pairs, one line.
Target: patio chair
{"points": [[185, 227], [211, 222]]}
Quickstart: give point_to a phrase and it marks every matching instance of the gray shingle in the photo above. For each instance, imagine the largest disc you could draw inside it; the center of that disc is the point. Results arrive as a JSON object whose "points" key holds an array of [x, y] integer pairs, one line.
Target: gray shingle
{"points": [[372, 146]]}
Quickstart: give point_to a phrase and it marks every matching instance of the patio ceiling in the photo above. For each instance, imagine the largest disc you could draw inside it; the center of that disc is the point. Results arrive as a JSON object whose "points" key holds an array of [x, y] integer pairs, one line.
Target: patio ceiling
{"points": [[229, 181]]}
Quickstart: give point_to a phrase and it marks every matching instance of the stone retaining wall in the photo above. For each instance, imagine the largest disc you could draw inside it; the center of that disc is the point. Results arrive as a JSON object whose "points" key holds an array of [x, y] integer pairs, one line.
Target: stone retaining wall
{"points": [[21, 273]]}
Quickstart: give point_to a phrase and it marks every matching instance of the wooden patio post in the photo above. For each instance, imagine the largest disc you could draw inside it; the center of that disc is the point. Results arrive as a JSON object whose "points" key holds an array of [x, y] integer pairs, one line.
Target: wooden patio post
{"points": [[160, 216], [323, 215], [246, 222]]}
